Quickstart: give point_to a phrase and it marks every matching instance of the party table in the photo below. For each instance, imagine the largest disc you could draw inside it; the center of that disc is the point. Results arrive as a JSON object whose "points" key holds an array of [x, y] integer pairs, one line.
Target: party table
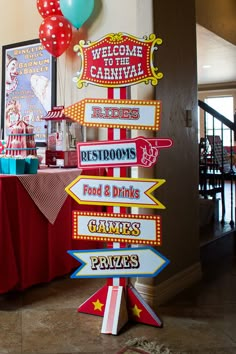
{"points": [[36, 227]]}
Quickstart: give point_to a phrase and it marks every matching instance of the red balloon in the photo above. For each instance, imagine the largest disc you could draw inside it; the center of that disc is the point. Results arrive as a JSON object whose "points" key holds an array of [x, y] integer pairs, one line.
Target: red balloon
{"points": [[55, 34], [49, 7]]}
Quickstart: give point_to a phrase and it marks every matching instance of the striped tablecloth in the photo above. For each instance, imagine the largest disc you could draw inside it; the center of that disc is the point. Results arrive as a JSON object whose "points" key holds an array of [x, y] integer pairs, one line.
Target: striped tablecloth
{"points": [[47, 189]]}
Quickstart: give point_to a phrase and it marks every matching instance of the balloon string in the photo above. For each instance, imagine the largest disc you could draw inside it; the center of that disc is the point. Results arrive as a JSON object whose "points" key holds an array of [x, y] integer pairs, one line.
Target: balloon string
{"points": [[65, 79], [62, 80]]}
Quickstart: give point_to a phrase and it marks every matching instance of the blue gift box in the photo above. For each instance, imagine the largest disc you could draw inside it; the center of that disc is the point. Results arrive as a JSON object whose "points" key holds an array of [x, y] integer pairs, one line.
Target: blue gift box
{"points": [[4, 165], [16, 166], [31, 165]]}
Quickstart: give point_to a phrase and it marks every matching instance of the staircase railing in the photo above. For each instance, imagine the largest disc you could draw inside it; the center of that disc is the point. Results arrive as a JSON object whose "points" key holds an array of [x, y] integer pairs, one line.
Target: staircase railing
{"points": [[216, 164]]}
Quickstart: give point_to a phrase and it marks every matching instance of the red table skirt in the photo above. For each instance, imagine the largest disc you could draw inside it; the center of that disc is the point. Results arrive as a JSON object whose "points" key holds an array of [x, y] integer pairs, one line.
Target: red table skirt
{"points": [[32, 250]]}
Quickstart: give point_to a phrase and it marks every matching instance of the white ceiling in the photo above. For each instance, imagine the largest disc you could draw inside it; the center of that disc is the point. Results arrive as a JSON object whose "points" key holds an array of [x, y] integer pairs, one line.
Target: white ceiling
{"points": [[216, 58]]}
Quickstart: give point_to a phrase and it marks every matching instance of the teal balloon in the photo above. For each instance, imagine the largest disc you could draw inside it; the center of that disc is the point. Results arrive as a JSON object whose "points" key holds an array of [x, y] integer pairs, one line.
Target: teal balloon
{"points": [[77, 11]]}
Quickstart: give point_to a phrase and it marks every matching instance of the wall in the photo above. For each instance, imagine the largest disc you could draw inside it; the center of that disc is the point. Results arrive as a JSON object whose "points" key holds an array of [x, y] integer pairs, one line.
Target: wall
{"points": [[175, 24], [218, 16], [178, 166], [19, 21]]}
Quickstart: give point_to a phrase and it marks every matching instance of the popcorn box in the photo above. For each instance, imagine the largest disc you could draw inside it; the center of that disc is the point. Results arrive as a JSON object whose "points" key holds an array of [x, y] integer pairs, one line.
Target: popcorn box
{"points": [[5, 165], [31, 165], [16, 166]]}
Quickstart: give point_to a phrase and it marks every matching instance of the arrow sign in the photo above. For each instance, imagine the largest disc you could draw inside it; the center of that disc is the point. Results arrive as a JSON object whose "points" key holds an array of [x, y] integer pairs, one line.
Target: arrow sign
{"points": [[119, 262], [123, 153], [121, 114], [114, 227], [113, 191]]}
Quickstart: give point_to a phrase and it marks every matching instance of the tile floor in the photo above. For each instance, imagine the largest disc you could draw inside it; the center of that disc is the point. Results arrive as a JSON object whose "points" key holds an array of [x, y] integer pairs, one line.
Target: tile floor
{"points": [[44, 319]]}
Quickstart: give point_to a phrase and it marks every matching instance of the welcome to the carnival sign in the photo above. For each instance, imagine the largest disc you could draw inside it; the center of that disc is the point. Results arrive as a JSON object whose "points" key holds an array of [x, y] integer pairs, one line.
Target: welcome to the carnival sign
{"points": [[118, 60]]}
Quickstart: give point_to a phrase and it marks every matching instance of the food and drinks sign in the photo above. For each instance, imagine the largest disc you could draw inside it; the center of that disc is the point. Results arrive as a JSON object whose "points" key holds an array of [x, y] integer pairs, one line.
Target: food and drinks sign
{"points": [[116, 61], [112, 191]]}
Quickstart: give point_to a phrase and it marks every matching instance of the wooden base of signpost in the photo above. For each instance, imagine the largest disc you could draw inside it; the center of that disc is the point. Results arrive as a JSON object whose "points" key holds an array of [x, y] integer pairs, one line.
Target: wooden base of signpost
{"points": [[118, 305]]}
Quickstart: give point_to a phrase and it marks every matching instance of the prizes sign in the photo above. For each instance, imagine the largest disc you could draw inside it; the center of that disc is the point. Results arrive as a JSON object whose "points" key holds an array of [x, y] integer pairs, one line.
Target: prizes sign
{"points": [[118, 60], [125, 262]]}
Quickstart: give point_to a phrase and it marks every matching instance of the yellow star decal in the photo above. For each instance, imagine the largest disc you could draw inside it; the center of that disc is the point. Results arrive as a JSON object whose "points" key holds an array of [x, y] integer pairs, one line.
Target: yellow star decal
{"points": [[98, 305], [136, 311]]}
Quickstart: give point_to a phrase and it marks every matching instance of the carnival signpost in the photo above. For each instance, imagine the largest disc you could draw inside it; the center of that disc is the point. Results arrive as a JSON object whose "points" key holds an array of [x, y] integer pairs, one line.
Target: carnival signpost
{"points": [[117, 61]]}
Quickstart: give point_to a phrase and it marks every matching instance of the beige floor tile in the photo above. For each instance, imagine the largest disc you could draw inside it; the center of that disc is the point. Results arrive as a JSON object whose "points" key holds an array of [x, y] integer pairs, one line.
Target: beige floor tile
{"points": [[61, 293], [10, 332], [44, 319]]}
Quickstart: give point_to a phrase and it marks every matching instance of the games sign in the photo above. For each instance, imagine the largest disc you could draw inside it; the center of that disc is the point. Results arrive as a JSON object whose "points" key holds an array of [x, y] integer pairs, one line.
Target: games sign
{"points": [[118, 60], [121, 153], [112, 227]]}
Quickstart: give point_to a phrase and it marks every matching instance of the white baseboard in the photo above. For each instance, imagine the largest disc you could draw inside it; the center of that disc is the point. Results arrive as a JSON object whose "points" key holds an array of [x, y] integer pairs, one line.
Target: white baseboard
{"points": [[161, 293]]}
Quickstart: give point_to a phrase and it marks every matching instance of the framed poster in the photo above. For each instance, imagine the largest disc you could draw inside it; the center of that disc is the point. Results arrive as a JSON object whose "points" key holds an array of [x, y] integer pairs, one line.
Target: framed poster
{"points": [[28, 86]]}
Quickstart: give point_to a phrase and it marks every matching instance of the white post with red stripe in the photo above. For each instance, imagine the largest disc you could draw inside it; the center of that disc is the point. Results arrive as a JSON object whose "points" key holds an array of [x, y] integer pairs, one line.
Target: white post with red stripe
{"points": [[115, 314]]}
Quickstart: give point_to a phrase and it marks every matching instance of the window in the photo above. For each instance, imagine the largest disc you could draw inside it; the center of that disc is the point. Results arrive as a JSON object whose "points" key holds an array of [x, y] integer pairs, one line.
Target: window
{"points": [[225, 106]]}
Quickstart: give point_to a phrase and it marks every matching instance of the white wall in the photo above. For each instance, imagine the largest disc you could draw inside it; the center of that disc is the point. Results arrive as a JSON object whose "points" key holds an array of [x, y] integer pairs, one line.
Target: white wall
{"points": [[108, 17], [218, 16]]}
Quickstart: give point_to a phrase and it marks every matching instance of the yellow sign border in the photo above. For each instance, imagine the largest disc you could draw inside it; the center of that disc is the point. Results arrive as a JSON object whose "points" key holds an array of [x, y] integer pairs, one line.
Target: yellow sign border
{"points": [[158, 183]]}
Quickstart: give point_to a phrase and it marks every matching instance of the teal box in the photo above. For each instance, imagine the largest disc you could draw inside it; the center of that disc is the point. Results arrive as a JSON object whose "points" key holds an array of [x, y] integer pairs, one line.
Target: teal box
{"points": [[5, 165], [16, 166], [31, 165]]}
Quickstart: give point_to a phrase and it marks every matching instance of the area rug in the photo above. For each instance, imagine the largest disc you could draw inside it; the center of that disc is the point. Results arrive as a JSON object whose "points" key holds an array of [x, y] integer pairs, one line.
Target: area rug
{"points": [[144, 346]]}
